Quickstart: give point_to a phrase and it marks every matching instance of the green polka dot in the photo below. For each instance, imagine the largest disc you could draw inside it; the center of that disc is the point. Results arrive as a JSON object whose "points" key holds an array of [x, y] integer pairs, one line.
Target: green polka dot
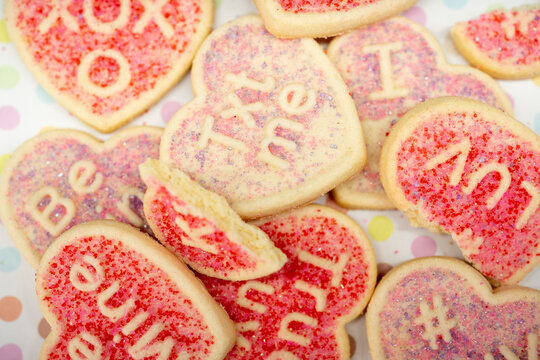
{"points": [[3, 160], [380, 228], [495, 7], [9, 77], [4, 38], [218, 3]]}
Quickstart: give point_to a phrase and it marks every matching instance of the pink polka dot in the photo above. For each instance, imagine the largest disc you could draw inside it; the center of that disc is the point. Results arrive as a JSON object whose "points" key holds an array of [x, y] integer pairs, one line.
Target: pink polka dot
{"points": [[416, 14], [9, 118], [168, 110], [423, 246], [10, 352]]}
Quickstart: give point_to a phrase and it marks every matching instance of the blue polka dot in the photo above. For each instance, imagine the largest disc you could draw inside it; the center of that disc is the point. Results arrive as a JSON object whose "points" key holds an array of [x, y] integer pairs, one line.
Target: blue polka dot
{"points": [[455, 4], [10, 259], [537, 123], [42, 95]]}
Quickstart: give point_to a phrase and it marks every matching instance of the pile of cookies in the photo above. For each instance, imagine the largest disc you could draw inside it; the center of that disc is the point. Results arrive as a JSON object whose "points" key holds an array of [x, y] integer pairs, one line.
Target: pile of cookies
{"points": [[379, 118]]}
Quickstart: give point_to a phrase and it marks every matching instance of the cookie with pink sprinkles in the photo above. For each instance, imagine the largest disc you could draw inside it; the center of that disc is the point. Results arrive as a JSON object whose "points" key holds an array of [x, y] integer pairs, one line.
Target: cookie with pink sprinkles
{"points": [[389, 68], [62, 178], [323, 18], [503, 43], [111, 292], [441, 308], [108, 61], [201, 228], [460, 166], [272, 125]]}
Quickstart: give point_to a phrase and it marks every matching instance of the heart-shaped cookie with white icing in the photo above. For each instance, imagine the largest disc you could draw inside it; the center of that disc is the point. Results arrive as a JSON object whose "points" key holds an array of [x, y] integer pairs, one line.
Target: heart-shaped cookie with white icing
{"points": [[111, 292], [466, 168], [61, 178], [300, 312], [272, 125], [441, 308], [108, 61]]}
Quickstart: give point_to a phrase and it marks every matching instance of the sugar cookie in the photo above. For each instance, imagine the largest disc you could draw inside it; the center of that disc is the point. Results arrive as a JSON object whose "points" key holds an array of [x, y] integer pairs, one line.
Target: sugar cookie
{"points": [[323, 18], [473, 171], [111, 292], [390, 67], [300, 311], [441, 308], [61, 178], [272, 125], [200, 227], [503, 43], [107, 63]]}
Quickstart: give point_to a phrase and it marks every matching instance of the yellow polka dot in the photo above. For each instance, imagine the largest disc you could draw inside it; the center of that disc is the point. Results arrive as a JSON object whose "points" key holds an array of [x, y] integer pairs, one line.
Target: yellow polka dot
{"points": [[380, 228], [4, 38], [3, 160], [536, 81], [495, 7], [46, 128]]}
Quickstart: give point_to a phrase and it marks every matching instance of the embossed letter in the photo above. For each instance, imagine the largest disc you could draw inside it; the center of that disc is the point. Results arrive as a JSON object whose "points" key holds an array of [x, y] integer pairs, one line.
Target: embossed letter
{"points": [[195, 236], [58, 11], [241, 341], [125, 208], [143, 349], [460, 149], [270, 138], [124, 75], [153, 11], [241, 80], [318, 293], [106, 27], [335, 268], [389, 89], [43, 217], [207, 133], [79, 175], [76, 347], [91, 280], [288, 335], [443, 326], [113, 313], [243, 301], [504, 183], [300, 100], [242, 111]]}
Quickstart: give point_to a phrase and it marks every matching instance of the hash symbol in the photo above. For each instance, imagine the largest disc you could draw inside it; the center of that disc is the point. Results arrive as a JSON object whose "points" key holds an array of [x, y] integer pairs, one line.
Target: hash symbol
{"points": [[435, 321]]}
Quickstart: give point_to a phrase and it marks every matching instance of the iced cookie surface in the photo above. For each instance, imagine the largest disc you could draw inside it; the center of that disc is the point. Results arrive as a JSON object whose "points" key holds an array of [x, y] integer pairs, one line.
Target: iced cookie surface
{"points": [[199, 227], [460, 166], [61, 178], [389, 68], [272, 125], [111, 292], [503, 43], [441, 308], [323, 18], [107, 61], [300, 311]]}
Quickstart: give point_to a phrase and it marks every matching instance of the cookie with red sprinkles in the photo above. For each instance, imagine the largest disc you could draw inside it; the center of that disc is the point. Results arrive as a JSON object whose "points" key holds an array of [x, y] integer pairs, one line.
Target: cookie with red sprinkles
{"points": [[300, 312], [471, 170], [202, 229], [441, 308], [111, 292], [324, 18], [503, 43], [107, 61]]}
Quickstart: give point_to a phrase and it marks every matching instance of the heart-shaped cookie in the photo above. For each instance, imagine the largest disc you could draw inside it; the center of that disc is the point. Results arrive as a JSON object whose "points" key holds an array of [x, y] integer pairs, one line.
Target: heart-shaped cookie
{"points": [[272, 125], [503, 43], [473, 171], [441, 308], [323, 18], [199, 227], [107, 61], [111, 292], [61, 178], [300, 311], [390, 67]]}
